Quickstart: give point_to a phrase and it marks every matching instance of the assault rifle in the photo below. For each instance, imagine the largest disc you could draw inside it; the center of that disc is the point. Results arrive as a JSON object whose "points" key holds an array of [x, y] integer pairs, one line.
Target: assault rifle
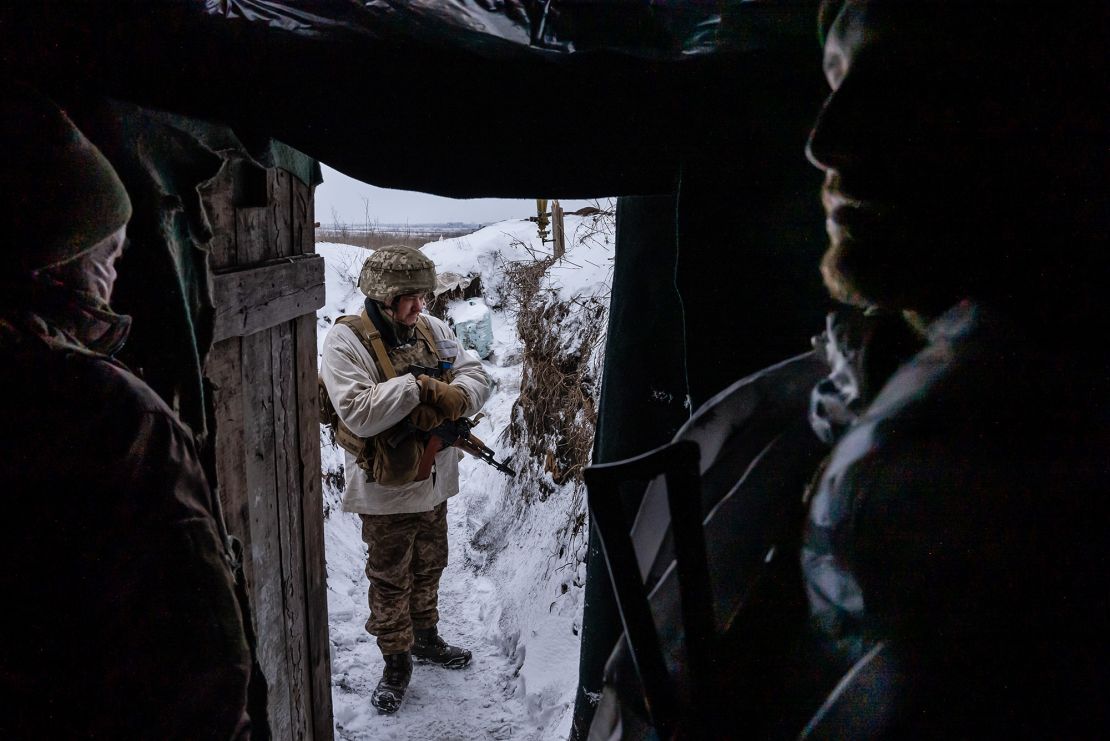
{"points": [[423, 370], [455, 432]]}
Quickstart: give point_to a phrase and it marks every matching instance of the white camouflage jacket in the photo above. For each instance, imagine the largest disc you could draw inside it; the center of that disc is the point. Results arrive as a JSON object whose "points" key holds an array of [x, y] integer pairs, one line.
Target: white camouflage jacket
{"points": [[369, 405]]}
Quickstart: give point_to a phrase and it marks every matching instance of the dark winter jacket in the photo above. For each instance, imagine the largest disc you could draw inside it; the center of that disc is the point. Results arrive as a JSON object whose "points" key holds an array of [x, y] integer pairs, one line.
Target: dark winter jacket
{"points": [[961, 521], [120, 617]]}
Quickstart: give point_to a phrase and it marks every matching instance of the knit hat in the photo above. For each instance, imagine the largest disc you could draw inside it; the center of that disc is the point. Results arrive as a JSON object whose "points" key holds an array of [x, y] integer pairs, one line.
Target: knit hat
{"points": [[61, 195]]}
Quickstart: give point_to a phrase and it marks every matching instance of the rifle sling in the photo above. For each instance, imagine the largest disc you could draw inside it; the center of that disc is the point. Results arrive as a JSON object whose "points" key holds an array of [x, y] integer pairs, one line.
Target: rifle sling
{"points": [[375, 338]]}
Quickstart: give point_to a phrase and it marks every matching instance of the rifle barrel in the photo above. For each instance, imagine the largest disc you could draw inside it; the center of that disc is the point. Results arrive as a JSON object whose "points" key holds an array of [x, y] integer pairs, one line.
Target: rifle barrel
{"points": [[478, 449]]}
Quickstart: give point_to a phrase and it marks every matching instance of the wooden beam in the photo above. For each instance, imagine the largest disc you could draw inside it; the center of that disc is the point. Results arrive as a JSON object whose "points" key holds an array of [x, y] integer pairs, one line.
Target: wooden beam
{"points": [[281, 208], [259, 439], [315, 570], [262, 296], [304, 216], [224, 371], [290, 530]]}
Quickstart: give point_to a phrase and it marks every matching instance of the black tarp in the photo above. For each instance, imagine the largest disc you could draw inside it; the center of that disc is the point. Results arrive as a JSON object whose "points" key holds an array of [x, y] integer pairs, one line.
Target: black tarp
{"points": [[653, 384], [444, 97]]}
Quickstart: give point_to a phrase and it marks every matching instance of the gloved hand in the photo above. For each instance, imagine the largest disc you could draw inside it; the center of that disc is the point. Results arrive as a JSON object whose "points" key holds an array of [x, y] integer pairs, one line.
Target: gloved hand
{"points": [[426, 416], [450, 399]]}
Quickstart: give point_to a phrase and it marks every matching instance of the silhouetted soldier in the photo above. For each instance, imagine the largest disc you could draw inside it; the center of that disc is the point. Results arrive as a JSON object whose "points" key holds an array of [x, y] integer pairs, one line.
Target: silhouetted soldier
{"points": [[960, 525], [120, 616]]}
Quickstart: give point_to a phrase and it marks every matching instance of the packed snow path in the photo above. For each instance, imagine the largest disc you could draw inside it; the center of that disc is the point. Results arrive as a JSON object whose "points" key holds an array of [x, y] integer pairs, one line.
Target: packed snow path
{"points": [[473, 703]]}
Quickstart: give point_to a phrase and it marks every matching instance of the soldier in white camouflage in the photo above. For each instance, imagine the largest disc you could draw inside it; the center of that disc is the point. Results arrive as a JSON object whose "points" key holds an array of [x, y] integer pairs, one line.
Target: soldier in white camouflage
{"points": [[404, 520]]}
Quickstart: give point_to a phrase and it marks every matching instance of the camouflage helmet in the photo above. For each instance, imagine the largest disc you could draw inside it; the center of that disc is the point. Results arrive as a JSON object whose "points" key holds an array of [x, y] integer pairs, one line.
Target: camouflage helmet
{"points": [[395, 270]]}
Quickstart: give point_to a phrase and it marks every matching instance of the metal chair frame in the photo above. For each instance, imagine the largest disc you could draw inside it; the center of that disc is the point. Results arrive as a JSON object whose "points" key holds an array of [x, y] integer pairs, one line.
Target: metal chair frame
{"points": [[678, 463]]}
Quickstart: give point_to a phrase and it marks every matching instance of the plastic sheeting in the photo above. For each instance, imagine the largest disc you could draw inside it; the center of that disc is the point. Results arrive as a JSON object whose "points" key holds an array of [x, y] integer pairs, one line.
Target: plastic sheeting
{"points": [[473, 325], [464, 98], [651, 29]]}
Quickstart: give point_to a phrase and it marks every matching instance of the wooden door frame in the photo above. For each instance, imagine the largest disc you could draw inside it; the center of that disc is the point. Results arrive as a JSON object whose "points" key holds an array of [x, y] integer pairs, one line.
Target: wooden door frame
{"points": [[261, 373]]}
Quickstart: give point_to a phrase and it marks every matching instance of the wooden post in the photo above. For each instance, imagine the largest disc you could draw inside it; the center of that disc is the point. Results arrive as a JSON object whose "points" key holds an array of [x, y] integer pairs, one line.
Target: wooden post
{"points": [[558, 235], [541, 218]]}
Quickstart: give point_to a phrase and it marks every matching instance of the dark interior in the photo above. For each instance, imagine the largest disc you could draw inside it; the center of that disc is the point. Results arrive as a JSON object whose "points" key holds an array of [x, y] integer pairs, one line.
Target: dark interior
{"points": [[696, 116]]}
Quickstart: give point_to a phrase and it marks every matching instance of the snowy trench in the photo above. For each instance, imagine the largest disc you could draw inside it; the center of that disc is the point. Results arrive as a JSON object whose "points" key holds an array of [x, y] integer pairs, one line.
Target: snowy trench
{"points": [[512, 591]]}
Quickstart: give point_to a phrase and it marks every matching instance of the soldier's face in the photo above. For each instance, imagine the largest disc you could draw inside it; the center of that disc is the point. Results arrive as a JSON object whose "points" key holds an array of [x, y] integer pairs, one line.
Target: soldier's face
{"points": [[407, 308], [103, 274], [900, 140], [94, 272]]}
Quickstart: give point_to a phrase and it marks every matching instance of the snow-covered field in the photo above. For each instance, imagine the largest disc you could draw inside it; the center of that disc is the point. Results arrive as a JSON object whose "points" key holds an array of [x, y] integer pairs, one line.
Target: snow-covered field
{"points": [[512, 592]]}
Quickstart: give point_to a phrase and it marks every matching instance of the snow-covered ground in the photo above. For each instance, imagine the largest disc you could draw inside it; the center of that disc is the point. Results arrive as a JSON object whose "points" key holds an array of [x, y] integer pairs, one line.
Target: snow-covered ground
{"points": [[512, 592]]}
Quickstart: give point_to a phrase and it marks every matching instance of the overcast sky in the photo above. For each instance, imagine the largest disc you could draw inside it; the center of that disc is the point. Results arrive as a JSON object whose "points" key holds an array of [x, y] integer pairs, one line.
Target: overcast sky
{"points": [[341, 198]]}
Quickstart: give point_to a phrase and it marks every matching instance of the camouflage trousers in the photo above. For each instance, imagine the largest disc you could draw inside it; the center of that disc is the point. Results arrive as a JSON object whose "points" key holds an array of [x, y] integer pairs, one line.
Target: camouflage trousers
{"points": [[407, 555]]}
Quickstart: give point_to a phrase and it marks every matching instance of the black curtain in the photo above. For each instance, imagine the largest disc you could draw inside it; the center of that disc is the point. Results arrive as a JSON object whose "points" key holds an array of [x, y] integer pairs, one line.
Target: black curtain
{"points": [[643, 399], [711, 284]]}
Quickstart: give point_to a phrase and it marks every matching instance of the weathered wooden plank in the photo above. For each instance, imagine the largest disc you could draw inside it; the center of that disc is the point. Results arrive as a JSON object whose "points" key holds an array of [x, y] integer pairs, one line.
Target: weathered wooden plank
{"points": [[288, 494], [223, 369], [281, 212], [304, 218], [267, 435], [258, 298], [258, 462], [218, 197], [315, 570], [254, 230]]}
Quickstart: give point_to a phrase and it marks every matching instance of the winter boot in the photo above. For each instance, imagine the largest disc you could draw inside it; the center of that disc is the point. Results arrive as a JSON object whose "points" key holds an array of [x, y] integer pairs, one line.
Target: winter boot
{"points": [[390, 691], [428, 646]]}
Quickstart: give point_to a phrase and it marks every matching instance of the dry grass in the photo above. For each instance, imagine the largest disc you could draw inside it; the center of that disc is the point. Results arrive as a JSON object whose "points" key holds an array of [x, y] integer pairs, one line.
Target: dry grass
{"points": [[375, 238], [372, 234], [557, 403]]}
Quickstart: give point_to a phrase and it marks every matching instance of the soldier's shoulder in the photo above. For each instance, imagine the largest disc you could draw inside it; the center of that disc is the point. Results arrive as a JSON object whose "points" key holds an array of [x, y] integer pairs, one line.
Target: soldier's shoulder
{"points": [[340, 333], [75, 380], [93, 403], [116, 381]]}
